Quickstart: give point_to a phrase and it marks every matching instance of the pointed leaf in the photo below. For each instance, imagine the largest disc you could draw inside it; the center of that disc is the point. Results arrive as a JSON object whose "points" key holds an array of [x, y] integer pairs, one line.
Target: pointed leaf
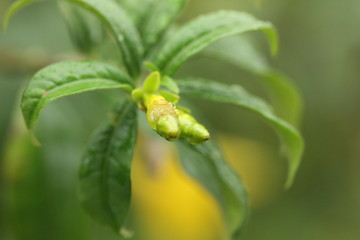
{"points": [[123, 29], [67, 78], [205, 30], [206, 164], [234, 94], [152, 82], [284, 95], [105, 184], [241, 52]]}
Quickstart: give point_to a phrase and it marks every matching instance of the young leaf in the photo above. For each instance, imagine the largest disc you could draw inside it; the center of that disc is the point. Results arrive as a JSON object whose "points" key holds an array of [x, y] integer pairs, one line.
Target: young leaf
{"points": [[123, 29], [67, 78], [157, 19], [105, 184], [206, 164], [152, 82], [236, 95], [15, 7], [205, 30], [241, 52]]}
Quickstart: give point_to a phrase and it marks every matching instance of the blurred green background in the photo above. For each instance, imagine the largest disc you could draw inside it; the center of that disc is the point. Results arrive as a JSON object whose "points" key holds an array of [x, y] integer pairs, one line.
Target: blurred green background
{"points": [[319, 49]]}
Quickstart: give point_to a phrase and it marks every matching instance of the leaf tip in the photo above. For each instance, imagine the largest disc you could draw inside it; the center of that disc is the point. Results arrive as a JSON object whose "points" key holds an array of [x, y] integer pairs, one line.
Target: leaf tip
{"points": [[274, 44], [292, 174], [126, 233], [273, 37], [6, 21], [34, 140], [289, 182], [274, 49]]}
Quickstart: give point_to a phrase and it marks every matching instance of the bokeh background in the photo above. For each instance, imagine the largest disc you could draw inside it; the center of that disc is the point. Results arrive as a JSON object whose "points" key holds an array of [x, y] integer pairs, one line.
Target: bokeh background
{"points": [[319, 50]]}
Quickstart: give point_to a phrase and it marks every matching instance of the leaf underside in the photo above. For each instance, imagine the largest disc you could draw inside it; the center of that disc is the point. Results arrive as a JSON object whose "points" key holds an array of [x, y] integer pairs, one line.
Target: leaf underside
{"points": [[236, 95], [105, 184], [68, 78]]}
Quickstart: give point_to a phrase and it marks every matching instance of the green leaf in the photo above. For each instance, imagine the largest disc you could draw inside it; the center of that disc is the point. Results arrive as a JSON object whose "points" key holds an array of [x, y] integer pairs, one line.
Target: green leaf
{"points": [[206, 164], [123, 29], [68, 78], [105, 184], [205, 30], [158, 17], [241, 52], [234, 94], [14, 8], [284, 95], [152, 82]]}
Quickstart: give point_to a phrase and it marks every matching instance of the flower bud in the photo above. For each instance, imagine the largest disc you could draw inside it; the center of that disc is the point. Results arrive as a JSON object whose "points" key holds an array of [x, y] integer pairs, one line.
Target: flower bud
{"points": [[191, 130], [162, 117]]}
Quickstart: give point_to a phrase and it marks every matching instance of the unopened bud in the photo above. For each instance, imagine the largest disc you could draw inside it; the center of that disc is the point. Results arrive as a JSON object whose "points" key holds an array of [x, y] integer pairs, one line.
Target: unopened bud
{"points": [[191, 130], [162, 117]]}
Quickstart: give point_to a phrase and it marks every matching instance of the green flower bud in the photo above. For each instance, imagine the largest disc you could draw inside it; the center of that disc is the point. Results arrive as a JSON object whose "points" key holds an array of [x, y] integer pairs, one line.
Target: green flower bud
{"points": [[162, 117], [191, 130]]}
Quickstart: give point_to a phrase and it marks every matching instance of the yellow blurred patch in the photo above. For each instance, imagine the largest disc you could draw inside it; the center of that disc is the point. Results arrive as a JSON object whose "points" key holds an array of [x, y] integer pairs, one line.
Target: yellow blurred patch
{"points": [[257, 166], [170, 204]]}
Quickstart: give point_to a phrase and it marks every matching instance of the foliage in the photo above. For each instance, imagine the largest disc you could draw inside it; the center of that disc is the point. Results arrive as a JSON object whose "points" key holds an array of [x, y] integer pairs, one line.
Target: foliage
{"points": [[138, 28]]}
